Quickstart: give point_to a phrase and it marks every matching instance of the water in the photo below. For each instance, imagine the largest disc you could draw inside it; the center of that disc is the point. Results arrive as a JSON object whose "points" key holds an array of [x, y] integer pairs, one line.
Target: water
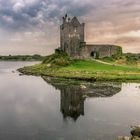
{"points": [[32, 108]]}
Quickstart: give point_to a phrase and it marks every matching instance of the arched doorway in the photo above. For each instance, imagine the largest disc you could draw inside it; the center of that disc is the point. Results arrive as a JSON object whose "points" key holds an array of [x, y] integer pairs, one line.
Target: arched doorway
{"points": [[94, 54]]}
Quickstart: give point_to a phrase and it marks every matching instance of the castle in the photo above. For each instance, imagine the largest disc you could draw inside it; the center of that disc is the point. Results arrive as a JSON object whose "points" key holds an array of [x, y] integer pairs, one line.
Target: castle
{"points": [[72, 41]]}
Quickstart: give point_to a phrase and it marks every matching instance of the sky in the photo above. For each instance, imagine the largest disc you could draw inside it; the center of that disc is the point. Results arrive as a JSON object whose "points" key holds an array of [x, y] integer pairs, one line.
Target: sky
{"points": [[32, 26]]}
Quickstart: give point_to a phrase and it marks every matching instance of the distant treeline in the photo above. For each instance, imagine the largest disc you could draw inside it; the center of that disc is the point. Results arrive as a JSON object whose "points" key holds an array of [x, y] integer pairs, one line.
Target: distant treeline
{"points": [[34, 57]]}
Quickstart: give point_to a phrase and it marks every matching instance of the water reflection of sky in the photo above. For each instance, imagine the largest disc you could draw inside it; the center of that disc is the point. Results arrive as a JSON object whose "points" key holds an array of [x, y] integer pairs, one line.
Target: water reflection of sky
{"points": [[31, 109]]}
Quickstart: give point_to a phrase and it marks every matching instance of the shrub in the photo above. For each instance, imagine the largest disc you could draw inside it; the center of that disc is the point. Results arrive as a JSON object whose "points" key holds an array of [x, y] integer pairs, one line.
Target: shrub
{"points": [[58, 59]]}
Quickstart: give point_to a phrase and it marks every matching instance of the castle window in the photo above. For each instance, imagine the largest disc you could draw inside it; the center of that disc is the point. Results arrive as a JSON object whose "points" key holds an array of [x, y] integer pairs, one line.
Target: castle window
{"points": [[69, 35], [75, 29]]}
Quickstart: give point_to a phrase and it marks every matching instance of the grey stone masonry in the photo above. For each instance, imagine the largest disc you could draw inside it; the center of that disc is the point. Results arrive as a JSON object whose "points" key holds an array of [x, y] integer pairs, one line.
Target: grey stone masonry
{"points": [[72, 41]]}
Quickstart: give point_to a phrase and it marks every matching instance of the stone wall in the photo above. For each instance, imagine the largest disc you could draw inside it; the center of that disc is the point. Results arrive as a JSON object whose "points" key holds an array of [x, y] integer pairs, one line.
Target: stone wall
{"points": [[99, 51], [71, 34]]}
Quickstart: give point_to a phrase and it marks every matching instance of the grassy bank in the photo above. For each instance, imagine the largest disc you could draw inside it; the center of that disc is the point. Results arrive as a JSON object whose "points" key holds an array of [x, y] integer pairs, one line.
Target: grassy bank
{"points": [[124, 59], [60, 65]]}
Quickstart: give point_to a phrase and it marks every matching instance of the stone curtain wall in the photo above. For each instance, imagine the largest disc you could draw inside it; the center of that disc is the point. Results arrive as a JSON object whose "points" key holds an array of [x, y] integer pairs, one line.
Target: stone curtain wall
{"points": [[99, 51]]}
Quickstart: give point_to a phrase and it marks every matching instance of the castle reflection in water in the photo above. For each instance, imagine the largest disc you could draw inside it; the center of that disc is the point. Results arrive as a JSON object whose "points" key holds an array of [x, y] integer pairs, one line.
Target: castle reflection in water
{"points": [[73, 95], [72, 102]]}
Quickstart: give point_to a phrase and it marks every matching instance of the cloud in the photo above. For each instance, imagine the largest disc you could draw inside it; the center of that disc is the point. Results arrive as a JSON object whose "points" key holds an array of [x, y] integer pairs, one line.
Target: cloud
{"points": [[36, 22], [18, 7], [25, 13]]}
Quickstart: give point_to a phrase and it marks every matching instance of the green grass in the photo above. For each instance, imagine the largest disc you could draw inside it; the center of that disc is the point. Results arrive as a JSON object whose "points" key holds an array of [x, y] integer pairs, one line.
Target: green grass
{"points": [[91, 65], [124, 59], [60, 65], [85, 70]]}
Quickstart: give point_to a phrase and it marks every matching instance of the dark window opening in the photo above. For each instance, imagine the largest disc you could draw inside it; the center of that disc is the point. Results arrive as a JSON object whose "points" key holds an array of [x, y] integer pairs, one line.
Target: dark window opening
{"points": [[94, 54]]}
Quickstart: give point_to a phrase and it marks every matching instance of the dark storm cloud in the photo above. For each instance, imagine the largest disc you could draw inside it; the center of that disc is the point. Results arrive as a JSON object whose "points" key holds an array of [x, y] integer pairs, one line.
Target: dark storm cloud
{"points": [[18, 14]]}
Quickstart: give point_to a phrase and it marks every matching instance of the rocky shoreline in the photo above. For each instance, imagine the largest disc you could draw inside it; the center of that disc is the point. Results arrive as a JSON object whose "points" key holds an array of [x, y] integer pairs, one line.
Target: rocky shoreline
{"points": [[135, 134]]}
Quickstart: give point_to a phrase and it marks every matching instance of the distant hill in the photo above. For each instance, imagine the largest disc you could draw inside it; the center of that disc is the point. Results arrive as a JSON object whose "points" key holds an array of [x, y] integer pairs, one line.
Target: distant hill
{"points": [[34, 57]]}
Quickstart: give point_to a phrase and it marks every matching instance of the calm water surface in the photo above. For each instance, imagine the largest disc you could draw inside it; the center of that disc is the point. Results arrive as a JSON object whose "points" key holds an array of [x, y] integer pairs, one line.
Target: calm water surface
{"points": [[34, 109]]}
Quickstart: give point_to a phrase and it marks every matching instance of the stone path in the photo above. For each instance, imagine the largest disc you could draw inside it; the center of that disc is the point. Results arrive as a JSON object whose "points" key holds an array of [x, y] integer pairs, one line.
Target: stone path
{"points": [[103, 62]]}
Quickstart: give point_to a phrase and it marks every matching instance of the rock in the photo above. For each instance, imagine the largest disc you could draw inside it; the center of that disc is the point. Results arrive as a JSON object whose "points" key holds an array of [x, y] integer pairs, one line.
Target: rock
{"points": [[85, 96], [83, 86], [13, 71], [135, 131], [128, 138], [123, 138], [48, 65], [135, 138]]}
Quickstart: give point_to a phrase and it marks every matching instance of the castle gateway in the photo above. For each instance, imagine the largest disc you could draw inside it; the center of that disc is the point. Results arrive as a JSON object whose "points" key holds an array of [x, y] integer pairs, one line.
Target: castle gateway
{"points": [[72, 41]]}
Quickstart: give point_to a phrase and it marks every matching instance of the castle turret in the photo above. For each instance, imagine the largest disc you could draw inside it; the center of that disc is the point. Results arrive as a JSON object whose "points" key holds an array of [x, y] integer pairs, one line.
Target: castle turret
{"points": [[71, 36]]}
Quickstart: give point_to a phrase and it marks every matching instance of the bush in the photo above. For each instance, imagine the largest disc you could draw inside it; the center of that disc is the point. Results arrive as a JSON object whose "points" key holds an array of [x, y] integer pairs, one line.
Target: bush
{"points": [[58, 59]]}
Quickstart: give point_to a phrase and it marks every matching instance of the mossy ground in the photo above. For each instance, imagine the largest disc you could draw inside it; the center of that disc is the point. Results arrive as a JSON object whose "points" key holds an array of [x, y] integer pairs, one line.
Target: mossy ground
{"points": [[60, 65]]}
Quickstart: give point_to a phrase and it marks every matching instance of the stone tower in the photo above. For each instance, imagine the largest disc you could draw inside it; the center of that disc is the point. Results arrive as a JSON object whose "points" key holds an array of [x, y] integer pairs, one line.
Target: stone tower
{"points": [[71, 36]]}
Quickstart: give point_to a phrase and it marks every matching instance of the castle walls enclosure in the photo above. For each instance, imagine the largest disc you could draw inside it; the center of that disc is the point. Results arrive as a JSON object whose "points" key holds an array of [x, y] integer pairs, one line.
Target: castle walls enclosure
{"points": [[72, 41], [99, 51]]}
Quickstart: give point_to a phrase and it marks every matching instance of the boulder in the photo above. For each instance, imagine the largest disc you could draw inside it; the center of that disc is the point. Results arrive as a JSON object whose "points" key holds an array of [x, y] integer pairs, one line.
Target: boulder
{"points": [[123, 138], [135, 131]]}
